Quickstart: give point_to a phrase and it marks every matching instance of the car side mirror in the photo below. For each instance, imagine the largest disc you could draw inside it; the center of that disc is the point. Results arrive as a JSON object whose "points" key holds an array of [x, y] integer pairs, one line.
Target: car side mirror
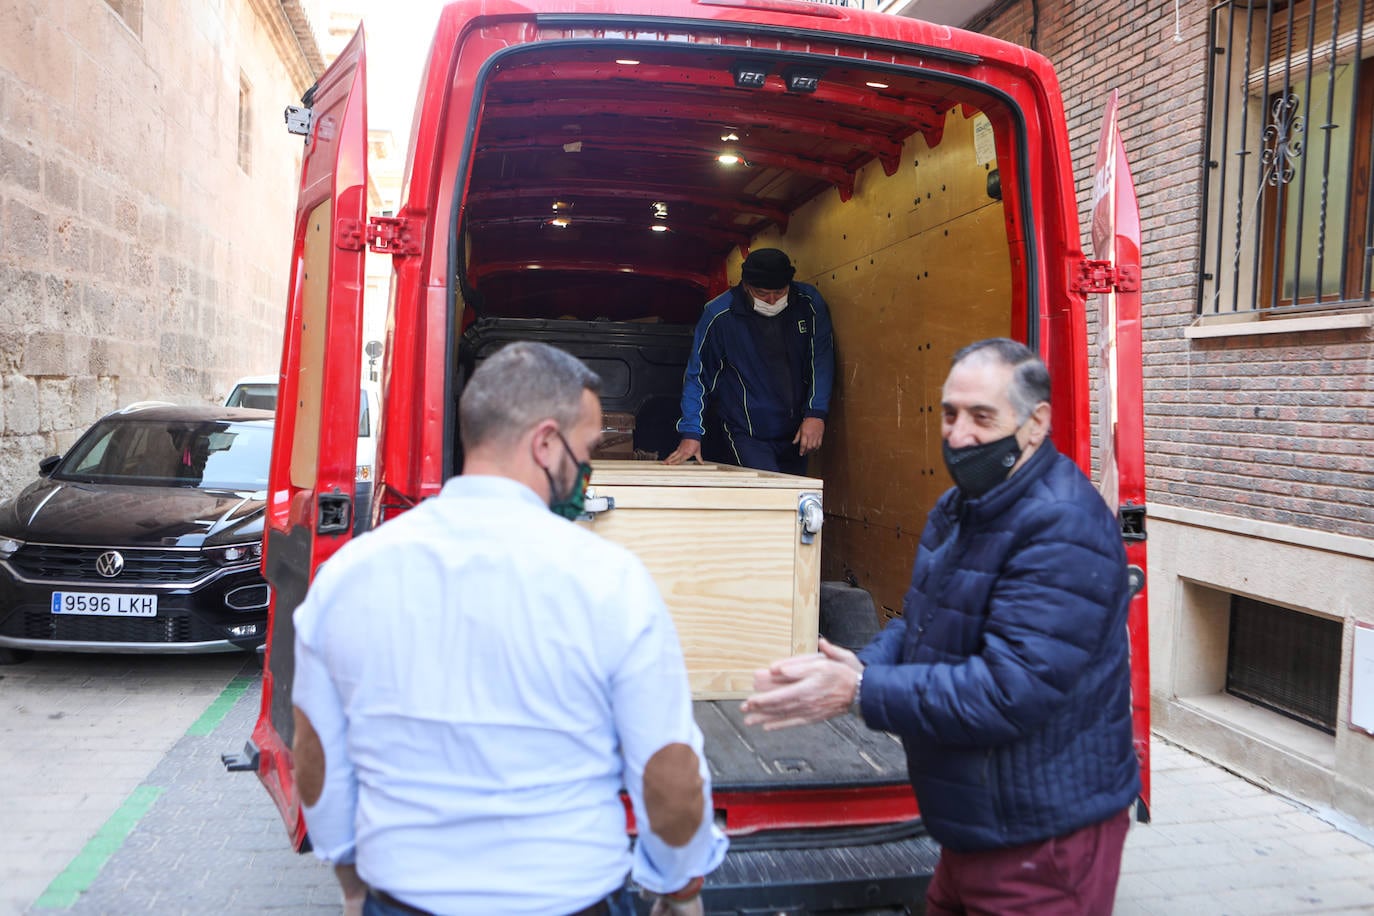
{"points": [[46, 466]]}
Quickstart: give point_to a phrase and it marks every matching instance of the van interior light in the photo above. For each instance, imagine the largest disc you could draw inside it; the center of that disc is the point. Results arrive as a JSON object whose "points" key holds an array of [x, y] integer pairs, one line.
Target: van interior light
{"points": [[560, 222], [627, 62], [727, 159], [562, 205], [729, 136], [750, 76], [658, 227], [802, 80], [660, 209], [875, 85]]}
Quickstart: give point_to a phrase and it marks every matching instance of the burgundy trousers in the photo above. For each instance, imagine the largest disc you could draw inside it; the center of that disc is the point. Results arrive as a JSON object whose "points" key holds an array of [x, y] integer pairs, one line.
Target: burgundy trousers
{"points": [[1070, 875]]}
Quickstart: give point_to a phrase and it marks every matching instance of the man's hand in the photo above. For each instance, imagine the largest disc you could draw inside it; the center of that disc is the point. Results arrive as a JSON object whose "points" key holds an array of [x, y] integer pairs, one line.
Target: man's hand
{"points": [[665, 907], [809, 435], [803, 689], [687, 450], [354, 890]]}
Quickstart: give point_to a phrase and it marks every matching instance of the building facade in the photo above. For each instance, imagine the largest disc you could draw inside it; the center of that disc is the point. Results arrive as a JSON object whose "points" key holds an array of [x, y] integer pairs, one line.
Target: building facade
{"points": [[147, 189], [1248, 127]]}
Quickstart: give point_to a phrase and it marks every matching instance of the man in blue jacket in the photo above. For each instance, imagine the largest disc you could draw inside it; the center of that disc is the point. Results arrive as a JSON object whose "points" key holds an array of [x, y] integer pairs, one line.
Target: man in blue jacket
{"points": [[763, 357], [1008, 674]]}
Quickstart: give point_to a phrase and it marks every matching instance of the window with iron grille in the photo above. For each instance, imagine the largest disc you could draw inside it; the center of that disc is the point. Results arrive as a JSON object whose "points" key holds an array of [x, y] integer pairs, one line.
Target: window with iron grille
{"points": [[1285, 660], [1287, 209]]}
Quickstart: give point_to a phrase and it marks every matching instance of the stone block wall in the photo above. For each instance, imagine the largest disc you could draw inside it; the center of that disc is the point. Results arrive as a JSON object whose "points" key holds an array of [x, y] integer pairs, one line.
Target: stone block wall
{"points": [[138, 259]]}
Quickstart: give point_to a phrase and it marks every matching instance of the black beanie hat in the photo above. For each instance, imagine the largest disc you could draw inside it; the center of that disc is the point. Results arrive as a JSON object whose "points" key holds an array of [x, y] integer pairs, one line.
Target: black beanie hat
{"points": [[767, 268]]}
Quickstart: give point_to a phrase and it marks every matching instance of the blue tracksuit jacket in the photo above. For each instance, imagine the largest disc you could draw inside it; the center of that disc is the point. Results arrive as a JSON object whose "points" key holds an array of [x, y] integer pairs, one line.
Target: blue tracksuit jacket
{"points": [[726, 366]]}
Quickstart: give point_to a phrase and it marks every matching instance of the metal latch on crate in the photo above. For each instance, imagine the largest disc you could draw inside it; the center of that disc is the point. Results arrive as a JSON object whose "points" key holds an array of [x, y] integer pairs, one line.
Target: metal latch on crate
{"points": [[810, 515], [594, 505]]}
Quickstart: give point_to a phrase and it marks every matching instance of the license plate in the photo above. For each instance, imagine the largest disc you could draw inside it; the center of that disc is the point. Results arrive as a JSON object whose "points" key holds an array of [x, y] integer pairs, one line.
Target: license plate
{"points": [[104, 604]]}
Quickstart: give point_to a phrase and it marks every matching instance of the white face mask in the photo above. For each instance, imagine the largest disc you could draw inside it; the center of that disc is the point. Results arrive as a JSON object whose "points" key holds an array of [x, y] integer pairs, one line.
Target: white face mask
{"points": [[770, 311]]}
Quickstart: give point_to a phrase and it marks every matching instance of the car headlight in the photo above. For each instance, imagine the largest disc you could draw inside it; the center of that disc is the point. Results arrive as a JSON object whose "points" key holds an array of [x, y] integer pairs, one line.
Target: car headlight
{"points": [[235, 553], [9, 547]]}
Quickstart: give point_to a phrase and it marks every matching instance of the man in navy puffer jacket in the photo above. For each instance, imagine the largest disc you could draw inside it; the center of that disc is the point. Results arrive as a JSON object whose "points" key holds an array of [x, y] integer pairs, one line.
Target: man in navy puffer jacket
{"points": [[1008, 675]]}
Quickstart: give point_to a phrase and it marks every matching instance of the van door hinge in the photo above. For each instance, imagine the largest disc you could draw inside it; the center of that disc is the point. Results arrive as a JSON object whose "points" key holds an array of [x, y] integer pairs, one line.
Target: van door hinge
{"points": [[1104, 277], [348, 234], [395, 235], [299, 120]]}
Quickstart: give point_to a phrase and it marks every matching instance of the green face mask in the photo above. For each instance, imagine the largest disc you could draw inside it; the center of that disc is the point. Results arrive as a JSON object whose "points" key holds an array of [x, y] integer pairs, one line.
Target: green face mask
{"points": [[570, 505]]}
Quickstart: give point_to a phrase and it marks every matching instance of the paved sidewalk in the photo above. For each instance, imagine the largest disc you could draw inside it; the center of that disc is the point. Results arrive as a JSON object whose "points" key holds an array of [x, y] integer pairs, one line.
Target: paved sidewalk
{"points": [[194, 839], [1221, 845]]}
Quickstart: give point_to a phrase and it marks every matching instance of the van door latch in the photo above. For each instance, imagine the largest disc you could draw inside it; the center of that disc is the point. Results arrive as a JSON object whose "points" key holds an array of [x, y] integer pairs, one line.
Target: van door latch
{"points": [[1104, 277], [396, 235], [335, 513], [299, 120]]}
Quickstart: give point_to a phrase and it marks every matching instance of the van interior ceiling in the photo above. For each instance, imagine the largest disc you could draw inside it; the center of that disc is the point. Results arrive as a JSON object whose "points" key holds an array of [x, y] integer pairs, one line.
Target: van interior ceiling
{"points": [[615, 186]]}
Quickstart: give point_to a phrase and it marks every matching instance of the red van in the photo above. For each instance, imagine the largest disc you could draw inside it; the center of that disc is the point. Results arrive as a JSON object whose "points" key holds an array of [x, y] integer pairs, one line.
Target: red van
{"points": [[589, 174]]}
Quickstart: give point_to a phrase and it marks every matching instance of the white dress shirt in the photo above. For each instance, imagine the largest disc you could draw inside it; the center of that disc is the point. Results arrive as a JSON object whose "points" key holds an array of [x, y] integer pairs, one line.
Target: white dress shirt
{"points": [[484, 677]]}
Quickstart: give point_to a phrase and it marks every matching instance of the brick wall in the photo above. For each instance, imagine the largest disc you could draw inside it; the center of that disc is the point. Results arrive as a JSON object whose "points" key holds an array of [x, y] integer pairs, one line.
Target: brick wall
{"points": [[138, 260], [1277, 427]]}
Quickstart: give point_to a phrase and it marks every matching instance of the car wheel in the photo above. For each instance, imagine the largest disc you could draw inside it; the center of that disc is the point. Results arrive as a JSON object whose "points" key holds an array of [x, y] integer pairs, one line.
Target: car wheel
{"points": [[15, 656]]}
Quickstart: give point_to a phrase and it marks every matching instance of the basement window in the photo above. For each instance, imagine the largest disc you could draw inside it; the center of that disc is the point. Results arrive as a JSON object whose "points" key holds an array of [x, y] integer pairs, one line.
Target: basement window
{"points": [[131, 11], [1285, 661]]}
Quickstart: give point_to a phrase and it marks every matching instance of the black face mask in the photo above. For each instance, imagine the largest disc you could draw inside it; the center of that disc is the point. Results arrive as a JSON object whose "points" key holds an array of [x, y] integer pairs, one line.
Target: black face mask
{"points": [[976, 469], [571, 504]]}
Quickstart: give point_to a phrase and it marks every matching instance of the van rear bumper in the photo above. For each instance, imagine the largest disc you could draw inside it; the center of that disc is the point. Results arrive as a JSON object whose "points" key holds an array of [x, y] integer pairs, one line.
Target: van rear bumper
{"points": [[889, 874]]}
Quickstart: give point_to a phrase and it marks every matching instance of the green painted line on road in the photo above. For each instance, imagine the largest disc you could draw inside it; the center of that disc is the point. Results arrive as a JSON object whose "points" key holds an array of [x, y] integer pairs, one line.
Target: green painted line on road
{"points": [[217, 710], [77, 877]]}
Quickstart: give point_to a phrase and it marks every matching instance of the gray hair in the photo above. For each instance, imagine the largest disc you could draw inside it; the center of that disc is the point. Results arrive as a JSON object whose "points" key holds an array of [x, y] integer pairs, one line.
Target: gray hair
{"points": [[1030, 380], [520, 385]]}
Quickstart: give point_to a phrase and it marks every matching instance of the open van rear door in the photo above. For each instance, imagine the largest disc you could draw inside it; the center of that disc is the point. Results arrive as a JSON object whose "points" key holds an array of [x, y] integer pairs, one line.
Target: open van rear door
{"points": [[310, 506], [1115, 275]]}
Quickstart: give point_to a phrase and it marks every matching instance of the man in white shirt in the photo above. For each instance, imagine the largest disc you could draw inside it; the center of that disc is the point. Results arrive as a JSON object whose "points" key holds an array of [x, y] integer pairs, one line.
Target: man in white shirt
{"points": [[477, 680]]}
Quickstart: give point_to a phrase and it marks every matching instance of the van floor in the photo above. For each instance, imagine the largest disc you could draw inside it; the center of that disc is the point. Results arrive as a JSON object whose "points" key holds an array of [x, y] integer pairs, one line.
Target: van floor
{"points": [[839, 753]]}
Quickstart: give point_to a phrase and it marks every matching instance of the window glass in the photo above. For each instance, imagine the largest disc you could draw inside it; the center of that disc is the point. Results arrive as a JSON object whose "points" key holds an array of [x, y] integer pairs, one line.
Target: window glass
{"points": [[1314, 228]]}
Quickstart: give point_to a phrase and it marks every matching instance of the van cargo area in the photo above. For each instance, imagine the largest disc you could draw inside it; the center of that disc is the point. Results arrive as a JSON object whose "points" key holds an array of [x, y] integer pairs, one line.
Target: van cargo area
{"points": [[600, 218]]}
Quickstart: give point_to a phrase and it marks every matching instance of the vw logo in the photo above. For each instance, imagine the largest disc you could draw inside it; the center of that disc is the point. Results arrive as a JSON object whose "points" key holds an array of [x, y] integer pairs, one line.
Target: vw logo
{"points": [[109, 564]]}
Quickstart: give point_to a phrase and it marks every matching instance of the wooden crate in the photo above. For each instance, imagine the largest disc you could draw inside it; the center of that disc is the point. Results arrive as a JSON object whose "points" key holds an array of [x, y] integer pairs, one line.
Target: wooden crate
{"points": [[725, 546]]}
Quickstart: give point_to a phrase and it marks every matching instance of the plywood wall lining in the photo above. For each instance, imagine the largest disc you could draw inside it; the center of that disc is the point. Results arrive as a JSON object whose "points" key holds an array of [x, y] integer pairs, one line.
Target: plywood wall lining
{"points": [[914, 267]]}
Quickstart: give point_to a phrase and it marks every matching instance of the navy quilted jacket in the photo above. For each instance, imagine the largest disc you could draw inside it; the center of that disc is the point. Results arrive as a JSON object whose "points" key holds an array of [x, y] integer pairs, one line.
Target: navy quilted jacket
{"points": [[1008, 676]]}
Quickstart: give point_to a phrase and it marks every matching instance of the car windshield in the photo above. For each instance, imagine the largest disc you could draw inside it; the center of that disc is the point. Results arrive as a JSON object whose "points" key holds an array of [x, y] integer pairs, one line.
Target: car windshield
{"points": [[210, 455], [260, 396]]}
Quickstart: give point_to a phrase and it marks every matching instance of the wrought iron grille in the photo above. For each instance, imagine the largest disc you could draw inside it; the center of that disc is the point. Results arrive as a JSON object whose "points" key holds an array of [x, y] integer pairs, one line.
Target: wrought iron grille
{"points": [[1287, 218], [1286, 661]]}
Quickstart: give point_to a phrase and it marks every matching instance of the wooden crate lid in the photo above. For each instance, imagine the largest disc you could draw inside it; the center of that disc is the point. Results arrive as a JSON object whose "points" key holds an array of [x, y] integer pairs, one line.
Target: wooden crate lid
{"points": [[610, 472]]}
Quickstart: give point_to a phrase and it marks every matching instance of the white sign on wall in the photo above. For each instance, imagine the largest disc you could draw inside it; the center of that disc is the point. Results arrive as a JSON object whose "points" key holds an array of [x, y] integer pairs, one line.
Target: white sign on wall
{"points": [[1362, 679]]}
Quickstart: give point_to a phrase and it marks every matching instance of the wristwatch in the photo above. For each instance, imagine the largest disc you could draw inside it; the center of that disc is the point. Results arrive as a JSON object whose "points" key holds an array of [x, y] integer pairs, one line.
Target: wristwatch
{"points": [[855, 707]]}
